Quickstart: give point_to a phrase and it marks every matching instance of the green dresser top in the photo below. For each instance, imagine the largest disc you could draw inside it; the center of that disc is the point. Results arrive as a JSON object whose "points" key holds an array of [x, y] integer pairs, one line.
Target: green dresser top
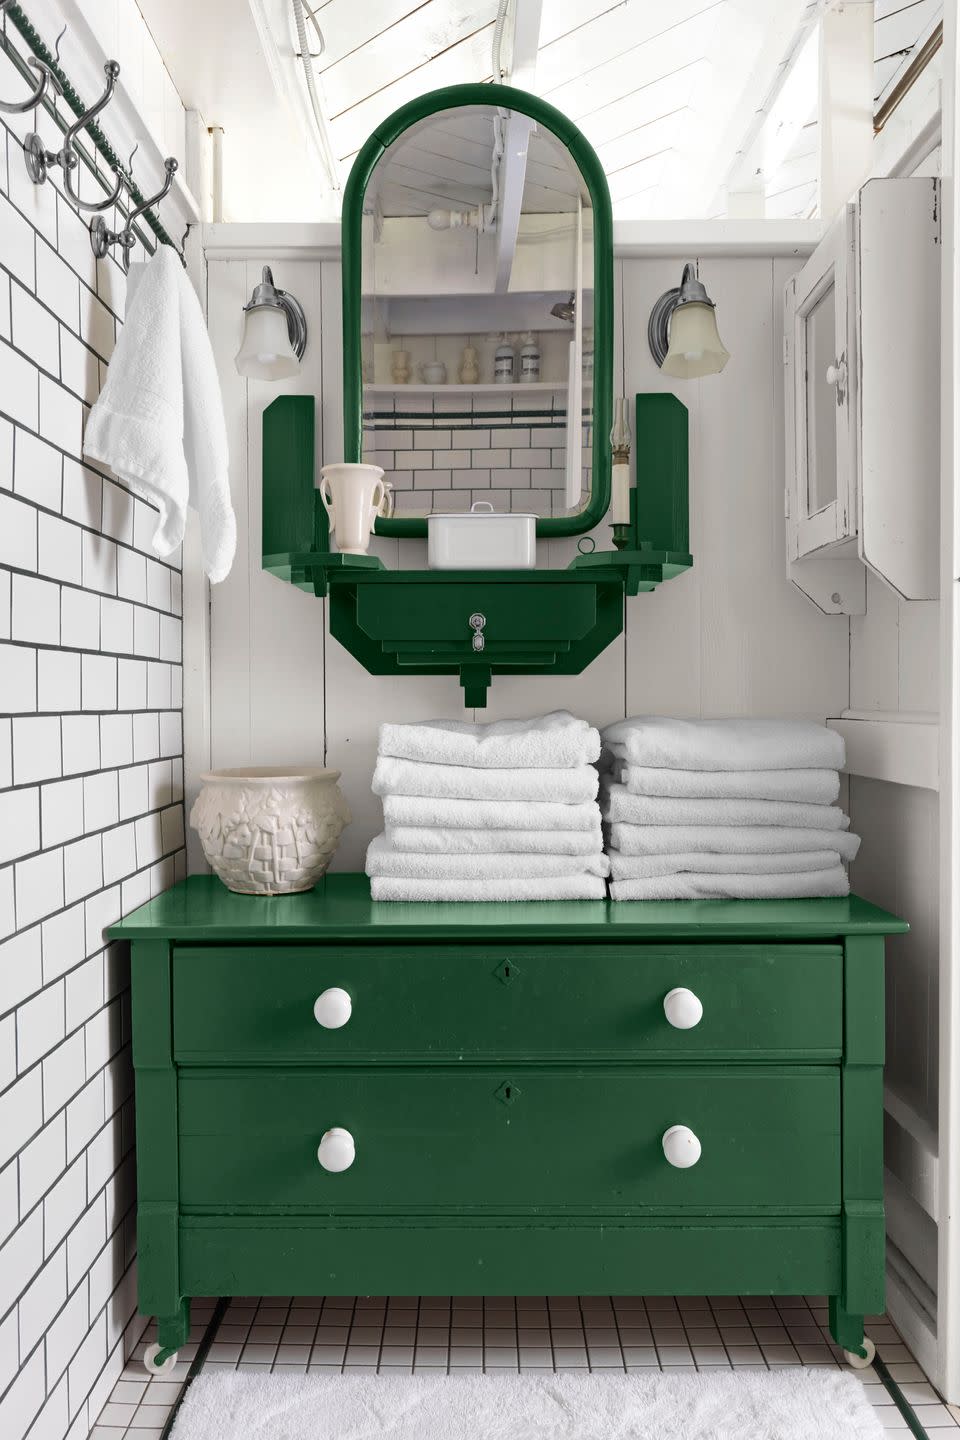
{"points": [[340, 908]]}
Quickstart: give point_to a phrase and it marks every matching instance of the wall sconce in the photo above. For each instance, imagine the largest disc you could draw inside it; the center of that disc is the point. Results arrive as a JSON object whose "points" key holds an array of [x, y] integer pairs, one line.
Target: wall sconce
{"points": [[274, 333], [682, 331]]}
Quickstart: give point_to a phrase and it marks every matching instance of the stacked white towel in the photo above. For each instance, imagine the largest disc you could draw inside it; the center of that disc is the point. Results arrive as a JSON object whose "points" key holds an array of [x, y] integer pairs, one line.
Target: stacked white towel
{"points": [[505, 811], [724, 809]]}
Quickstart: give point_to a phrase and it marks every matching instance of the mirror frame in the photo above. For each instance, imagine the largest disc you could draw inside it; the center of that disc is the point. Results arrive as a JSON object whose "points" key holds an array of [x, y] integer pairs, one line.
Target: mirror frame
{"points": [[585, 157]]}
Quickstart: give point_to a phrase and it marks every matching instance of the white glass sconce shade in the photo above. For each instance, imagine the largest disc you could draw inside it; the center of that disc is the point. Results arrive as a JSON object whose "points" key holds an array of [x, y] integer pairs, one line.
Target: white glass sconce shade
{"points": [[274, 333], [682, 331], [265, 351], [695, 344]]}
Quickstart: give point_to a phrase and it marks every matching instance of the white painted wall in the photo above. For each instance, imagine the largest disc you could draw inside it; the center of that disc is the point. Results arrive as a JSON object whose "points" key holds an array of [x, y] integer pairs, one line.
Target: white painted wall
{"points": [[895, 670], [730, 637]]}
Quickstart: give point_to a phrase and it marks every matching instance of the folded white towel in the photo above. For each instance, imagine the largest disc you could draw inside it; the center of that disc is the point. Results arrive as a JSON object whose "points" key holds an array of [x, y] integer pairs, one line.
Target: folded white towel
{"points": [[811, 884], [560, 887], [521, 794], [813, 787], [645, 867], [616, 803], [159, 420], [725, 744], [557, 741], [384, 859], [440, 840], [728, 840], [464, 782]]}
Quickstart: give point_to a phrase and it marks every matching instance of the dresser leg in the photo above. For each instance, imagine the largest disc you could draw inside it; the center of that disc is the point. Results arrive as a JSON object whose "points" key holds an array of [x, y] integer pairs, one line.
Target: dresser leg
{"points": [[173, 1330], [846, 1329]]}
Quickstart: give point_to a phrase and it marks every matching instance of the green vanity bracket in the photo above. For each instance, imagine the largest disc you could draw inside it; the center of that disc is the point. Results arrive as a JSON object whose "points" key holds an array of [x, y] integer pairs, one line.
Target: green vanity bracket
{"points": [[418, 622]]}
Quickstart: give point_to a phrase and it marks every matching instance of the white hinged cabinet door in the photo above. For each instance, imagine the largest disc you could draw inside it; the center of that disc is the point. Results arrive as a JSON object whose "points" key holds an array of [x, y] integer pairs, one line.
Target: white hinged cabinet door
{"points": [[820, 336]]}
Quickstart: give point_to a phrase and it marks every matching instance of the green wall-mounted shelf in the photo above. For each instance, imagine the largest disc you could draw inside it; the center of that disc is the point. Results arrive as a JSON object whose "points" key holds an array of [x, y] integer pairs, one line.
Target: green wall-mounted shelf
{"points": [[423, 622]]}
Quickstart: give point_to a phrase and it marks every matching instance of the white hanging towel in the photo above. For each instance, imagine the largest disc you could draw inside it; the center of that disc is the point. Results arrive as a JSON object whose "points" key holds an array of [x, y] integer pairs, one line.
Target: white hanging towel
{"points": [[159, 421], [555, 740], [725, 744]]}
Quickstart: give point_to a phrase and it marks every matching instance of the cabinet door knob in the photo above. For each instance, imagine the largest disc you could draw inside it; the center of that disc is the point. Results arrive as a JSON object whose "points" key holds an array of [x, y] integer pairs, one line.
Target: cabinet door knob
{"points": [[683, 1009], [681, 1147], [333, 1008], [336, 1150]]}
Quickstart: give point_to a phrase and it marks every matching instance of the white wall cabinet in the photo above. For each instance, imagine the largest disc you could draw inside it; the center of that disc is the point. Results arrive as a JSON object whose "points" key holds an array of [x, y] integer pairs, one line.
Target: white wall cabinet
{"points": [[861, 358]]}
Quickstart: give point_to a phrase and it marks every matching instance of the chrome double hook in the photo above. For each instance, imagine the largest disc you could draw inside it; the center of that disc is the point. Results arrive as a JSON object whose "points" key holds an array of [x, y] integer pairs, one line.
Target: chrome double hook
{"points": [[39, 159], [45, 83], [102, 238]]}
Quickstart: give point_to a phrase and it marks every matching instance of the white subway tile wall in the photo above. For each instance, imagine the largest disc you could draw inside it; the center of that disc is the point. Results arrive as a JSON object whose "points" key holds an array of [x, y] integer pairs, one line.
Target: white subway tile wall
{"points": [[514, 457], [91, 817]]}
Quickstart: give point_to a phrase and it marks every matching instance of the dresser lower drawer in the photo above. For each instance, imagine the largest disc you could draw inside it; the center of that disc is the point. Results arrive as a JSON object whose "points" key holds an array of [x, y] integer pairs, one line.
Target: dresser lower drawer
{"points": [[557, 1140], [419, 1004]]}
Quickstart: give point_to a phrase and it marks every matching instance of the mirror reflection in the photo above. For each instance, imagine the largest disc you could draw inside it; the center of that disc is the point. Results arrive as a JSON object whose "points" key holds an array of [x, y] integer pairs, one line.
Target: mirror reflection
{"points": [[477, 317]]}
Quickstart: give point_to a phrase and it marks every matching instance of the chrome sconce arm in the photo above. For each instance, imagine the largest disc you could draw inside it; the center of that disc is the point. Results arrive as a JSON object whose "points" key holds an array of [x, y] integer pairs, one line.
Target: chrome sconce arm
{"points": [[102, 238], [39, 159]]}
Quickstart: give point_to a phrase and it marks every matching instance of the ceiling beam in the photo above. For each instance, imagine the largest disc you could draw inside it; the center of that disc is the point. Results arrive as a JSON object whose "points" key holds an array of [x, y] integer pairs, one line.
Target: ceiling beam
{"points": [[846, 104], [525, 44]]}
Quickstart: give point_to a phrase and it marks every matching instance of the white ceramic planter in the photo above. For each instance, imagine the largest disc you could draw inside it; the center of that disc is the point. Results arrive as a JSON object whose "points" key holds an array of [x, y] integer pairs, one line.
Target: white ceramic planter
{"points": [[270, 830]]}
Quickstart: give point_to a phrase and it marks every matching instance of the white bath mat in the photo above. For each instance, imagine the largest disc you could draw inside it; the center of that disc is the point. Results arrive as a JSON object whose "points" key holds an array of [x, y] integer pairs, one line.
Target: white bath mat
{"points": [[814, 1404]]}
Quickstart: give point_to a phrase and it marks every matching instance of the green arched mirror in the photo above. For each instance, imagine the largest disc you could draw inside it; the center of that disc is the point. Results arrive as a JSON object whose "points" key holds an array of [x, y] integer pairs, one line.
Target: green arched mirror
{"points": [[478, 311]]}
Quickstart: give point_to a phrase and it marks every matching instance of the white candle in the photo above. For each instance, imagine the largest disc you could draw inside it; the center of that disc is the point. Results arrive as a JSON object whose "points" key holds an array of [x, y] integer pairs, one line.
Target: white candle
{"points": [[621, 494]]}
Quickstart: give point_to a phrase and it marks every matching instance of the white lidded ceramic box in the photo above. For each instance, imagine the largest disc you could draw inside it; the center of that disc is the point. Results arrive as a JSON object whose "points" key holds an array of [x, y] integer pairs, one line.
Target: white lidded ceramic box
{"points": [[482, 538]]}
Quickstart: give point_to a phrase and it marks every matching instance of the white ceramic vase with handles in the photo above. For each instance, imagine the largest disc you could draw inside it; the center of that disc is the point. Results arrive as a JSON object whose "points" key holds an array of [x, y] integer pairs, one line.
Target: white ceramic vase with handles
{"points": [[352, 496]]}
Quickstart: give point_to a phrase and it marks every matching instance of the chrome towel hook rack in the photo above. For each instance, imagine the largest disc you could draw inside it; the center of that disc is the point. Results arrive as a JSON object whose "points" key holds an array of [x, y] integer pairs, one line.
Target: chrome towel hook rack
{"points": [[56, 86], [102, 238], [46, 80], [39, 159]]}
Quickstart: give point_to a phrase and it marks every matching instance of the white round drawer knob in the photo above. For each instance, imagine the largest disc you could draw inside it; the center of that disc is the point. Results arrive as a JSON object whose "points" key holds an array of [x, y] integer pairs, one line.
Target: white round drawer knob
{"points": [[336, 1150], [683, 1009], [681, 1147], [333, 1008]]}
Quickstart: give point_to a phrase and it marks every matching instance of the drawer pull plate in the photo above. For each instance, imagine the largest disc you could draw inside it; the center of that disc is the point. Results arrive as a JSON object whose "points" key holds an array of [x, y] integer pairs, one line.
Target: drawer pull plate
{"points": [[683, 1008], [681, 1147], [336, 1151], [333, 1008]]}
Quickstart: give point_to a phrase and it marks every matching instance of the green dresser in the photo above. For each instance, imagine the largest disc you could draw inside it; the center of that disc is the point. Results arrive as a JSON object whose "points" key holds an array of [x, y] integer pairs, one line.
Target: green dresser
{"points": [[340, 1097]]}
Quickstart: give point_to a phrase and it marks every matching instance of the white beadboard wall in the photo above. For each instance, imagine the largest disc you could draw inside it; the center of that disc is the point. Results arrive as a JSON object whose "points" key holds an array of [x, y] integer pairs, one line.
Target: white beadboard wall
{"points": [[91, 816], [730, 637]]}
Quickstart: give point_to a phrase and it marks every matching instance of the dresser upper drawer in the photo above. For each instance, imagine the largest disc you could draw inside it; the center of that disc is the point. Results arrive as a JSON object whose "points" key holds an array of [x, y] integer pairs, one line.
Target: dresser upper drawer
{"points": [[505, 1138], [418, 1004]]}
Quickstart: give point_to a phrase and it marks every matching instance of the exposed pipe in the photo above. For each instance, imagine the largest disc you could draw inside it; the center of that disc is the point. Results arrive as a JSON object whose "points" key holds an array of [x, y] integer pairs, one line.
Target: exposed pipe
{"points": [[330, 160], [498, 28], [216, 169]]}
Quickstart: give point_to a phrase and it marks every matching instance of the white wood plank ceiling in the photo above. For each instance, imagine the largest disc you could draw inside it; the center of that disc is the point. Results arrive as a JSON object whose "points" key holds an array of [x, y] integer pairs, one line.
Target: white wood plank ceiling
{"points": [[666, 92]]}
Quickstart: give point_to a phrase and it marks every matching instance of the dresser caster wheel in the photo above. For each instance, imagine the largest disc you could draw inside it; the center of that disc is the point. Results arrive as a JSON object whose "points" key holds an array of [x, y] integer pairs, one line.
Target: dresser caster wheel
{"points": [[157, 1361], [864, 1361]]}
